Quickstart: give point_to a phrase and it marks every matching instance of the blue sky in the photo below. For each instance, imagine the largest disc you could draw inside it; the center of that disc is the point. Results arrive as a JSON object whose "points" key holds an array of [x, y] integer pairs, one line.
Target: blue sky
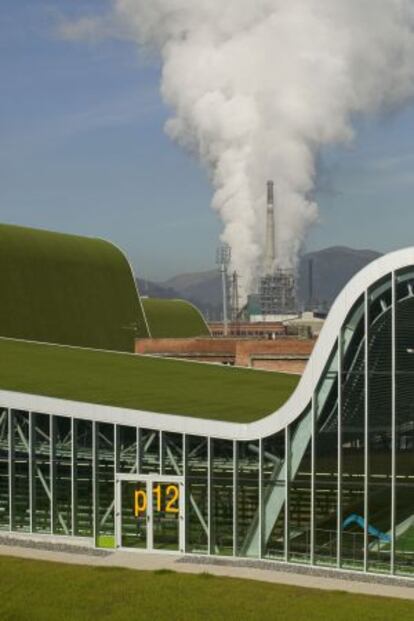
{"points": [[82, 150]]}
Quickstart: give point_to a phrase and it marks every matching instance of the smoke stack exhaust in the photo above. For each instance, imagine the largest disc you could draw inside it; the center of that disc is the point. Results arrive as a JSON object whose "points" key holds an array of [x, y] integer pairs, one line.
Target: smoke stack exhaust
{"points": [[310, 284], [270, 250]]}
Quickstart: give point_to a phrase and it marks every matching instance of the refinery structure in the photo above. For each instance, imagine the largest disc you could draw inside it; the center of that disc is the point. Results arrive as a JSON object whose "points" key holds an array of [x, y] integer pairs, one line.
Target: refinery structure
{"points": [[277, 286]]}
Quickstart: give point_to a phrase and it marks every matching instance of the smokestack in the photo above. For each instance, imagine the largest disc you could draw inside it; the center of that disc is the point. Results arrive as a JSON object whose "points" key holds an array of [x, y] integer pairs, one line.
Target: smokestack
{"points": [[270, 252], [310, 284]]}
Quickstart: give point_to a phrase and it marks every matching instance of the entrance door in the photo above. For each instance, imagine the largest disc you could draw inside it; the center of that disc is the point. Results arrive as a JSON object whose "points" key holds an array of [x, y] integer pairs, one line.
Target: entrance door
{"points": [[150, 513]]}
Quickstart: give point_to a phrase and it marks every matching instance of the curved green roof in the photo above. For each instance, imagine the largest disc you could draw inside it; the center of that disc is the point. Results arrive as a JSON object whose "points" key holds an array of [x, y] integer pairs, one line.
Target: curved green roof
{"points": [[66, 289], [216, 392], [174, 319]]}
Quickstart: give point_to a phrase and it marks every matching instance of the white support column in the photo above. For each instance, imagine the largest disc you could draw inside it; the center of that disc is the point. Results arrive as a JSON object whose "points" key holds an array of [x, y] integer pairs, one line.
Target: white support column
{"points": [[118, 518], [73, 476], [52, 473], [117, 441], [313, 463], [11, 469], [235, 485], [185, 514], [30, 453], [150, 520], [287, 488], [161, 446], [260, 547], [183, 499], [209, 498], [366, 428], [393, 422], [95, 510], [138, 453], [339, 449]]}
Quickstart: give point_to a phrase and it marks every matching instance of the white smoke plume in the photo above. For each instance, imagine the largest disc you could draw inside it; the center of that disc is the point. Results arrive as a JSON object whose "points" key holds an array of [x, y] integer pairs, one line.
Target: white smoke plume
{"points": [[258, 87]]}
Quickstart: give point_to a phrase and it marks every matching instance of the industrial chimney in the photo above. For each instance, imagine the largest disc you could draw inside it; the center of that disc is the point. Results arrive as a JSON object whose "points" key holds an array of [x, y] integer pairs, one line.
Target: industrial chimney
{"points": [[270, 252]]}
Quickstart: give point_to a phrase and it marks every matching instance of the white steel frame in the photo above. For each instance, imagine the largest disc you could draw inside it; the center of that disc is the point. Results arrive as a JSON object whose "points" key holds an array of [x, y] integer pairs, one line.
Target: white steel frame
{"points": [[149, 480]]}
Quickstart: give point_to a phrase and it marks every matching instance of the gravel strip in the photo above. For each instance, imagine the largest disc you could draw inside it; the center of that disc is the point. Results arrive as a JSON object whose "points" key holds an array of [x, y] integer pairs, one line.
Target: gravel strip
{"points": [[321, 572], [53, 547]]}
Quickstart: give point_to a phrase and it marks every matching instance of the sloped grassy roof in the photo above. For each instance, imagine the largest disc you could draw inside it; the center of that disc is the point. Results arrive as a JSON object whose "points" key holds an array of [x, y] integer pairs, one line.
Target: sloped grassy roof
{"points": [[174, 319], [67, 289], [141, 382]]}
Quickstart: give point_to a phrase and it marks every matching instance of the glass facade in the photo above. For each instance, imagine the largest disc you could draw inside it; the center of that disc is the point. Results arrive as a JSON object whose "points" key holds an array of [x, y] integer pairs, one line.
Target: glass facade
{"points": [[334, 488]]}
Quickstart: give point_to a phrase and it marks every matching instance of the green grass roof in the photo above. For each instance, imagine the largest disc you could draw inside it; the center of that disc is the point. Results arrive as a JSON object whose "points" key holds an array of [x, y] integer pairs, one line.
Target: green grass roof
{"points": [[66, 289], [174, 319], [141, 382]]}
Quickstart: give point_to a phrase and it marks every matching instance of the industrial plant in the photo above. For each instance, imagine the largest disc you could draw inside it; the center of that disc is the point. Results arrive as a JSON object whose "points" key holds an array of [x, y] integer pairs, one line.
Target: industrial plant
{"points": [[277, 287]]}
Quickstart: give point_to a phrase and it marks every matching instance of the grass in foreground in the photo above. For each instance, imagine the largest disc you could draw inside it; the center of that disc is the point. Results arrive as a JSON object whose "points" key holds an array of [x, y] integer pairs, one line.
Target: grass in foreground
{"points": [[141, 382], [42, 591]]}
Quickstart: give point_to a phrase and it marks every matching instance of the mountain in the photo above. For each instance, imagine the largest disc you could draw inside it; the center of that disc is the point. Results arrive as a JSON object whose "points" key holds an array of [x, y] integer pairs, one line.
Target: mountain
{"points": [[332, 268]]}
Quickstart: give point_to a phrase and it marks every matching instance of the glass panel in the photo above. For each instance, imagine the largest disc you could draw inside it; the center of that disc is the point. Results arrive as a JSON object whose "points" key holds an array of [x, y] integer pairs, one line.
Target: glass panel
{"points": [[149, 451], [299, 522], [21, 503], [83, 478], [379, 426], [42, 505], [353, 439], [404, 519], [247, 503], [105, 485], [274, 491], [326, 465], [127, 449], [197, 495], [134, 514], [165, 515], [4, 469], [62, 430], [222, 497], [172, 458]]}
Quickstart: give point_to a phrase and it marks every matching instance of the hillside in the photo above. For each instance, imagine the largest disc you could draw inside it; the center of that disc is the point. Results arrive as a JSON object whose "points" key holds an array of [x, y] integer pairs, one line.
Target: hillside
{"points": [[332, 269]]}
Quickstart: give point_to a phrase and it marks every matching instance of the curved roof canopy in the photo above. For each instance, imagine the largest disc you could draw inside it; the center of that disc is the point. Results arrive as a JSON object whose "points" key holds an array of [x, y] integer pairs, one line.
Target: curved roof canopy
{"points": [[174, 319], [136, 382], [66, 289]]}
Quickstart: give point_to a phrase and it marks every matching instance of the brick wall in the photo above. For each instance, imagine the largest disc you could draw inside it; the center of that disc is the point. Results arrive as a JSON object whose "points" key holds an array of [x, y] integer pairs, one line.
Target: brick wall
{"points": [[286, 354]]}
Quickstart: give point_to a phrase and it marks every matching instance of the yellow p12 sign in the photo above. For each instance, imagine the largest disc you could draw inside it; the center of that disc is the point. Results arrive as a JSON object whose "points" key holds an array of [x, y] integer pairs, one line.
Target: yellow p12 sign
{"points": [[140, 502]]}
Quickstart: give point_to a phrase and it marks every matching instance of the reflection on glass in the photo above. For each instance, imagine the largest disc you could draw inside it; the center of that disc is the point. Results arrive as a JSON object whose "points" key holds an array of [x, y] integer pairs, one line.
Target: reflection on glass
{"points": [[41, 473], [84, 509], [379, 426], [197, 495], [127, 449], [353, 439], [165, 516], [149, 451], [222, 497], [172, 453], [134, 514], [274, 491], [105, 528], [404, 518], [326, 465], [21, 499], [299, 520], [248, 499], [62, 431], [4, 469]]}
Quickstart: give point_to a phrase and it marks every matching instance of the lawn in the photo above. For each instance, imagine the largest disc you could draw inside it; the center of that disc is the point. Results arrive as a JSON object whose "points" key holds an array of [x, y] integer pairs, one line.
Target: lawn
{"points": [[140, 382], [43, 591]]}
